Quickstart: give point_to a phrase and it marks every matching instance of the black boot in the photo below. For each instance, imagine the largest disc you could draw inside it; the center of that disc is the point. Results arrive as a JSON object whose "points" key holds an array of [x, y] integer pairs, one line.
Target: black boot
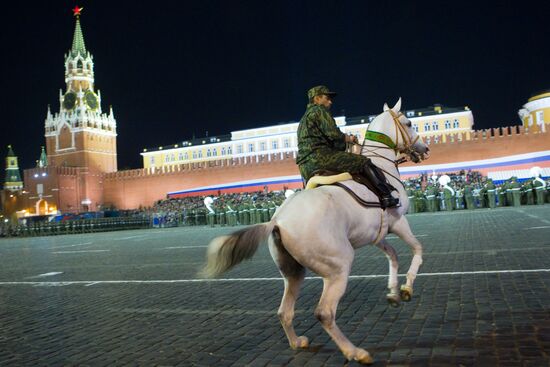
{"points": [[380, 186]]}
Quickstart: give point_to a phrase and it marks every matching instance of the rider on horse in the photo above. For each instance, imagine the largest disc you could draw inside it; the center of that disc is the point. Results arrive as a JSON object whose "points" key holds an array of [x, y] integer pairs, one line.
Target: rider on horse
{"points": [[322, 146]]}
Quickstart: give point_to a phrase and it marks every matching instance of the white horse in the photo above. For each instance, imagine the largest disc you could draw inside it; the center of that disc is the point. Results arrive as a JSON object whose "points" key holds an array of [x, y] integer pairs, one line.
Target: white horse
{"points": [[320, 229]]}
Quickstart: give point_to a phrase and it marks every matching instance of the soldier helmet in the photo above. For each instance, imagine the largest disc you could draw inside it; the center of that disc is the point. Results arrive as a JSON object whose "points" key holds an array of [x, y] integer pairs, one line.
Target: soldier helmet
{"points": [[318, 91]]}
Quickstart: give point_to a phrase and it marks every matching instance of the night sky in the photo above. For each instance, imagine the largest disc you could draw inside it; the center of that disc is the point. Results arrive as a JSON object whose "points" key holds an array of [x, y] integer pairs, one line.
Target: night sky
{"points": [[175, 69]]}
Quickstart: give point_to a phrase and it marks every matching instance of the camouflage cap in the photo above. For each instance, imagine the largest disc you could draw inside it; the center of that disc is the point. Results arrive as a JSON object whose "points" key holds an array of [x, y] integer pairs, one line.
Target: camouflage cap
{"points": [[318, 91]]}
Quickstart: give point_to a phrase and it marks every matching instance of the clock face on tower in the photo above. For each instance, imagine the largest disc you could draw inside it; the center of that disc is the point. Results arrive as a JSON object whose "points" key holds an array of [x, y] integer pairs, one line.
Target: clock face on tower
{"points": [[69, 100], [91, 100]]}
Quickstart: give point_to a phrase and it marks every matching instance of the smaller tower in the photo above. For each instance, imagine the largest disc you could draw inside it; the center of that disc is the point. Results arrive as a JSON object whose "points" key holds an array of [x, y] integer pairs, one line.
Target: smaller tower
{"points": [[43, 161], [13, 180]]}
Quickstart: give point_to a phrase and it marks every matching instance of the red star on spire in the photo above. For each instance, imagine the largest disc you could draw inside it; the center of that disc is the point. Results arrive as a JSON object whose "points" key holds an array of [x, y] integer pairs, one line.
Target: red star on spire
{"points": [[77, 10]]}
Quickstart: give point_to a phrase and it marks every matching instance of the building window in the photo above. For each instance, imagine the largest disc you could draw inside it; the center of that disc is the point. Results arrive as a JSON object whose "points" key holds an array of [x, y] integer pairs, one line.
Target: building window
{"points": [[166, 158], [250, 148], [208, 153], [436, 139], [274, 144], [180, 156], [239, 149], [229, 150], [262, 146], [214, 152], [447, 124], [455, 124], [426, 126], [435, 126], [152, 161], [287, 143], [223, 151], [415, 127], [200, 154], [194, 154], [186, 156]]}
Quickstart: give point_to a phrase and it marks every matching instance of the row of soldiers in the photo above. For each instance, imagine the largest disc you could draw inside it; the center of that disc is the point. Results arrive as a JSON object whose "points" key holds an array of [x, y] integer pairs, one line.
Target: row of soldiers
{"points": [[244, 213], [470, 196]]}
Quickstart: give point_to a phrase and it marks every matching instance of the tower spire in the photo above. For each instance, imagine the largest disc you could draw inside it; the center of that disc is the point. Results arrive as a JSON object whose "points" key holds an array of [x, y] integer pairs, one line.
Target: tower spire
{"points": [[78, 38], [13, 180]]}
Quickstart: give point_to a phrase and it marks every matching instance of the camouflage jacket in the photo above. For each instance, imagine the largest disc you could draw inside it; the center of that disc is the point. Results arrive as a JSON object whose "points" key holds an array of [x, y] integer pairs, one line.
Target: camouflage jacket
{"points": [[318, 134]]}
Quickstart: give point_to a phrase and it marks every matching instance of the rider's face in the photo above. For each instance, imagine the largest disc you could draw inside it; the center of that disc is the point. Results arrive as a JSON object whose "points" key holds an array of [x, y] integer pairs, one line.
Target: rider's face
{"points": [[323, 100]]}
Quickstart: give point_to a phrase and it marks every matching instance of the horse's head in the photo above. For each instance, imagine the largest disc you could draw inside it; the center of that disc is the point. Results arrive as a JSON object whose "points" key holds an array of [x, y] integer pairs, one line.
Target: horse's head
{"points": [[397, 133]]}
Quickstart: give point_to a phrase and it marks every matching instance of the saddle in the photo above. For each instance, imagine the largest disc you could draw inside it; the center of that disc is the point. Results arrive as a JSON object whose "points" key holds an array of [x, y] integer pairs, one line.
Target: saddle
{"points": [[354, 184]]}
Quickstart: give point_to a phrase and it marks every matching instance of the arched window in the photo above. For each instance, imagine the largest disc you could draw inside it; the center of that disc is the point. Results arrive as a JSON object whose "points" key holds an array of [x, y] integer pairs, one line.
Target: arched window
{"points": [[228, 150], [194, 154], [262, 146], [223, 150], [287, 143], [180, 156], [415, 127], [208, 153], [250, 147], [435, 125], [447, 124], [186, 156], [200, 153], [79, 64], [456, 124], [426, 126], [215, 152], [274, 144]]}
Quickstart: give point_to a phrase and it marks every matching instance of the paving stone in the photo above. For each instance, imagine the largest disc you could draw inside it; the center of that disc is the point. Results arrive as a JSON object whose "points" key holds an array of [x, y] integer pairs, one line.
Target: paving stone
{"points": [[483, 319]]}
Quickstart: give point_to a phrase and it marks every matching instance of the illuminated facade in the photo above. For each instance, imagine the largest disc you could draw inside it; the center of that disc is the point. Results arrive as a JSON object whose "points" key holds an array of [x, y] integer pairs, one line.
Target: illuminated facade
{"points": [[535, 114], [432, 123]]}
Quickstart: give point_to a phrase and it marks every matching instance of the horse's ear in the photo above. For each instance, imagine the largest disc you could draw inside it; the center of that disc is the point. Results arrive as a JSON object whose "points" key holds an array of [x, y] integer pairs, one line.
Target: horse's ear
{"points": [[386, 107], [397, 106]]}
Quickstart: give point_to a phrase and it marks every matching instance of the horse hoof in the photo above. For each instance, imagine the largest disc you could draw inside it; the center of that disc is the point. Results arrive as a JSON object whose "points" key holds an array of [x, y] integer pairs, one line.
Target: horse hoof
{"points": [[363, 357], [301, 343], [406, 293], [393, 299]]}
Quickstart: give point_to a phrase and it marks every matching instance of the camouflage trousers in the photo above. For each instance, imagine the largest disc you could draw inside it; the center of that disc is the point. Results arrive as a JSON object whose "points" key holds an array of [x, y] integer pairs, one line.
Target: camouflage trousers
{"points": [[332, 161]]}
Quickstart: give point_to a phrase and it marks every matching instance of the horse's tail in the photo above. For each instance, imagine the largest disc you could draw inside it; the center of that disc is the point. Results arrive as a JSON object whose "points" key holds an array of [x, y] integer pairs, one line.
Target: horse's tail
{"points": [[225, 252]]}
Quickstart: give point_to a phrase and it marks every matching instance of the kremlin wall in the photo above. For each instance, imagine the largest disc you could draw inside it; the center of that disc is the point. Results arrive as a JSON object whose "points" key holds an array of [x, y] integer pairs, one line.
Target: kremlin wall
{"points": [[78, 170]]}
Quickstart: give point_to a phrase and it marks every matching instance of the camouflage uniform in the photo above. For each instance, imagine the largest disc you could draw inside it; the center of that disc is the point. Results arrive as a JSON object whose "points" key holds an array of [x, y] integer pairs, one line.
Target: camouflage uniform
{"points": [[321, 144], [515, 188], [539, 190], [491, 196], [469, 197]]}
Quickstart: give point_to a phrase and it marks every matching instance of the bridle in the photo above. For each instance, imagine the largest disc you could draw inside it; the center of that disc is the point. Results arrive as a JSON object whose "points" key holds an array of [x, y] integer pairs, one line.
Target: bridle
{"points": [[400, 131]]}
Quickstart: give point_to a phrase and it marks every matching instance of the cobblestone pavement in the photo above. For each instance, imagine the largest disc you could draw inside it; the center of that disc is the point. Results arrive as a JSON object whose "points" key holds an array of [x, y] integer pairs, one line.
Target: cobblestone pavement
{"points": [[130, 298]]}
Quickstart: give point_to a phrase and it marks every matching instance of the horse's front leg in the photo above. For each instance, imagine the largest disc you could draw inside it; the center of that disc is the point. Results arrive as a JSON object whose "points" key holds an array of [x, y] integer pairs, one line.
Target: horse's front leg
{"points": [[393, 297], [402, 229]]}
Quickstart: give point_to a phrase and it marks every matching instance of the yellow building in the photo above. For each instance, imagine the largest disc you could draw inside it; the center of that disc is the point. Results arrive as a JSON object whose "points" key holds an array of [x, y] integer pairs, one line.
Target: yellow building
{"points": [[535, 114], [430, 123]]}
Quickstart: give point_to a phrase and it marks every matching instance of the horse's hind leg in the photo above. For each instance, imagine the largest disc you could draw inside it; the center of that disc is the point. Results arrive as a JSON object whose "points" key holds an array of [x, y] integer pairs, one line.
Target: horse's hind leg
{"points": [[293, 274], [393, 297], [402, 229]]}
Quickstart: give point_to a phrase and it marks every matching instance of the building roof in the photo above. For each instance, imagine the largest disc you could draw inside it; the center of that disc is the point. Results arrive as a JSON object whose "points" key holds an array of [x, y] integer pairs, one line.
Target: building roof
{"points": [[192, 142], [78, 40], [10, 152]]}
